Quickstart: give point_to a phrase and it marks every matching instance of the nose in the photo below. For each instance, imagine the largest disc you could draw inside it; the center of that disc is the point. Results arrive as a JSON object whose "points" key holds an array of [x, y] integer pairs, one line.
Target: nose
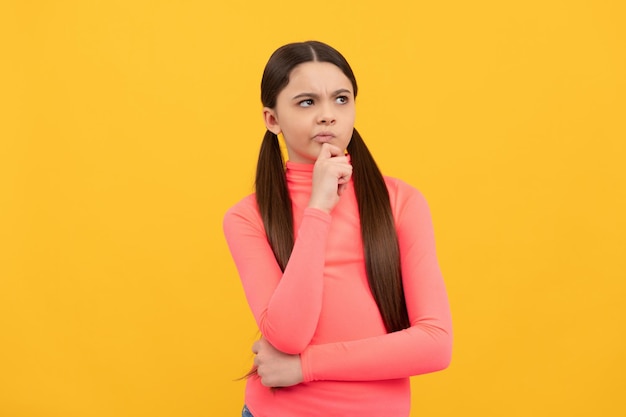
{"points": [[326, 116]]}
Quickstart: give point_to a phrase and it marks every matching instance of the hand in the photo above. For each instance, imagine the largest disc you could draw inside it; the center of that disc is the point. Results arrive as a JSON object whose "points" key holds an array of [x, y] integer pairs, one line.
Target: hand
{"points": [[275, 368], [331, 174]]}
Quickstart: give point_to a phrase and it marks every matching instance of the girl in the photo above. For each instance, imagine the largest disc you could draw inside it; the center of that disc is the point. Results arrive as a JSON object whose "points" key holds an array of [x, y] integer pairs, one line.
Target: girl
{"points": [[337, 262]]}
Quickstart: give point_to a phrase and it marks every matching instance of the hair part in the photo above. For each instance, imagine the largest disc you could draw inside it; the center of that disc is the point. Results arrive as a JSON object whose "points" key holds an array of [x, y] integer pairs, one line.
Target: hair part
{"points": [[378, 233], [287, 57]]}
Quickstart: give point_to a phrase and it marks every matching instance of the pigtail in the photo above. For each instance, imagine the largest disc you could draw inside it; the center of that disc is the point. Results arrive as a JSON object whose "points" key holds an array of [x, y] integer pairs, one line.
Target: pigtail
{"points": [[378, 232], [273, 199]]}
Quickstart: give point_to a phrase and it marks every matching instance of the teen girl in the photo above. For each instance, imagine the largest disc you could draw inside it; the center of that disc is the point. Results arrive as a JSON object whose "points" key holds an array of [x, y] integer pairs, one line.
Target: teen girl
{"points": [[337, 262]]}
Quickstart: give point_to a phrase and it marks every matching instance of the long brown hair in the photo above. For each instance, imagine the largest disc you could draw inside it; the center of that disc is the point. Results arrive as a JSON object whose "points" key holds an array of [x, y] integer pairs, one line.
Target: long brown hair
{"points": [[380, 241]]}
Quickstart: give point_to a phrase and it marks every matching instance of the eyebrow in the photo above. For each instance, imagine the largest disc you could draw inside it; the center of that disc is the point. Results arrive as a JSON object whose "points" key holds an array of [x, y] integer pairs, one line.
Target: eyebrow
{"points": [[316, 96]]}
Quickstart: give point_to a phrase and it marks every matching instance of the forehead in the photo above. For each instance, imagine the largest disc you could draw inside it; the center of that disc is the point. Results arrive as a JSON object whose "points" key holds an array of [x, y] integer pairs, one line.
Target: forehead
{"points": [[317, 76]]}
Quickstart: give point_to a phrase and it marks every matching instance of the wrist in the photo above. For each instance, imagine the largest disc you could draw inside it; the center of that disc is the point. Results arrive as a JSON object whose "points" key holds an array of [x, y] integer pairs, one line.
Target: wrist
{"points": [[319, 207], [306, 366]]}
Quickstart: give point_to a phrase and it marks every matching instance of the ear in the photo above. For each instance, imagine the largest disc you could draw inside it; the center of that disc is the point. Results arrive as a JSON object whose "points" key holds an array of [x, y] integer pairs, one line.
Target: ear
{"points": [[271, 120]]}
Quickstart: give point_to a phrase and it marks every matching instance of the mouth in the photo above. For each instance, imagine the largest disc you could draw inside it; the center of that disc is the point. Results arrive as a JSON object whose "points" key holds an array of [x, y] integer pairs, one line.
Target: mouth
{"points": [[323, 137]]}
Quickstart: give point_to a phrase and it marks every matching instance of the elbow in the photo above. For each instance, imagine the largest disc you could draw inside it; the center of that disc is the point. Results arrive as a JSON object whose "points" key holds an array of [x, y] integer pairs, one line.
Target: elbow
{"points": [[437, 352], [442, 337], [443, 355], [288, 342], [445, 359], [288, 336]]}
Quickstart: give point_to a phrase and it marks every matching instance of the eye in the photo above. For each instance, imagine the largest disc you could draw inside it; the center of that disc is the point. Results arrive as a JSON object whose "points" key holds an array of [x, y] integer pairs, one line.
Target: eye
{"points": [[342, 99], [306, 103]]}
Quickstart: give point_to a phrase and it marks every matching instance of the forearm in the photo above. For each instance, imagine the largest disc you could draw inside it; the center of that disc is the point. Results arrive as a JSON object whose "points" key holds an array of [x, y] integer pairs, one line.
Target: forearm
{"points": [[285, 305], [292, 314], [418, 350]]}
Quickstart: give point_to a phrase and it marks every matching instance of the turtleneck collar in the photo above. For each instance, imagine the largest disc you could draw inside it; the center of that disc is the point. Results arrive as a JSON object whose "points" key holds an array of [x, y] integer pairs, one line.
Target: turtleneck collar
{"points": [[299, 173]]}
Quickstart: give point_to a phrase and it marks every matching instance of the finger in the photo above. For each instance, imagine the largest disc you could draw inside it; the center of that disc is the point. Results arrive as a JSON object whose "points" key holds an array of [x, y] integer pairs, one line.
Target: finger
{"points": [[344, 175], [329, 151]]}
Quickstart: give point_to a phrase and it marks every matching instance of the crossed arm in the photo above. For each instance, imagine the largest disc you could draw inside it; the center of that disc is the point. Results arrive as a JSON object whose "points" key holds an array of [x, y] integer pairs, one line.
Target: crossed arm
{"points": [[287, 306]]}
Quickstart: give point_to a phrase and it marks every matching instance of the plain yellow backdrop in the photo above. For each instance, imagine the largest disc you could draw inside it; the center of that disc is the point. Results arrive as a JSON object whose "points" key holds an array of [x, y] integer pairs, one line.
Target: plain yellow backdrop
{"points": [[127, 128]]}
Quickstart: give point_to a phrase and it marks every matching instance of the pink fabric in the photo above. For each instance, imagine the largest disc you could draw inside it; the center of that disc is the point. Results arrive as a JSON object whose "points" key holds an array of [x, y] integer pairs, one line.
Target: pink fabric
{"points": [[322, 307]]}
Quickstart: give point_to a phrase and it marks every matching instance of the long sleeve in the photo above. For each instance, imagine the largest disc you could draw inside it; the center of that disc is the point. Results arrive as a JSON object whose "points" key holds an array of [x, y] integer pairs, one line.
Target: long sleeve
{"points": [[322, 306], [286, 305], [426, 345]]}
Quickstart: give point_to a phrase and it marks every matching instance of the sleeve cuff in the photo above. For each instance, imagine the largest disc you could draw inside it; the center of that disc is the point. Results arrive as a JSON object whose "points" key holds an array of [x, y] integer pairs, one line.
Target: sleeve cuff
{"points": [[305, 362], [317, 213]]}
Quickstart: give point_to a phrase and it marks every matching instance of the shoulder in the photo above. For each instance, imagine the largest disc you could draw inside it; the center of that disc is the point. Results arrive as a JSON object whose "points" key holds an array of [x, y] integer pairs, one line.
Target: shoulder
{"points": [[400, 190], [403, 195], [244, 211]]}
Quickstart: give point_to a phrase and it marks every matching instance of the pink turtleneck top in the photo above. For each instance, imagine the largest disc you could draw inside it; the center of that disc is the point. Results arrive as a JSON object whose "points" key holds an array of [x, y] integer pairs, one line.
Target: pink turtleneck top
{"points": [[321, 307]]}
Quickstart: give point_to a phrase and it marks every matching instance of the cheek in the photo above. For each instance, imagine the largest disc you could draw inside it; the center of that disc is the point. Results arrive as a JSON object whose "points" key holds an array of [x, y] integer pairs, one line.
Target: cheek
{"points": [[350, 115], [350, 121]]}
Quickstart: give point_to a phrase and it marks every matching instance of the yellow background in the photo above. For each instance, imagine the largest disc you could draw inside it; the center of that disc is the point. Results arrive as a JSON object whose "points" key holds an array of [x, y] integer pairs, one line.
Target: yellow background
{"points": [[127, 128]]}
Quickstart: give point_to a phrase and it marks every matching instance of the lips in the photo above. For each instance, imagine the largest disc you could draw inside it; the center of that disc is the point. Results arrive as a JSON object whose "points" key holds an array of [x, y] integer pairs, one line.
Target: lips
{"points": [[323, 137]]}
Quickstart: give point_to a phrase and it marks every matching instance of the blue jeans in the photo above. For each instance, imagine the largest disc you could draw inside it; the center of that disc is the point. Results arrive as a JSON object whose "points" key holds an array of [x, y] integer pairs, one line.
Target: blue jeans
{"points": [[245, 412]]}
